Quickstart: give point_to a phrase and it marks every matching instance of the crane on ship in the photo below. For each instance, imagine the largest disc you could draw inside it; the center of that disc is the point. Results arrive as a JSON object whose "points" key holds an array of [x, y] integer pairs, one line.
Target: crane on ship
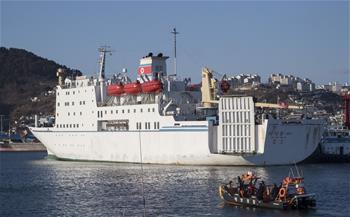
{"points": [[209, 90]]}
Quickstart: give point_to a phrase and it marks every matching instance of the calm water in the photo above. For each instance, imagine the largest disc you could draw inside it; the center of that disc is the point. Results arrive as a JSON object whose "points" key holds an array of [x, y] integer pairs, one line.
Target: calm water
{"points": [[31, 185]]}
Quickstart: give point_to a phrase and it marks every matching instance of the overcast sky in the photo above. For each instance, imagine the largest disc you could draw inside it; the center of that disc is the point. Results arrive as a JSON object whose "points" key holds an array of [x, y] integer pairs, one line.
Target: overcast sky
{"points": [[305, 38]]}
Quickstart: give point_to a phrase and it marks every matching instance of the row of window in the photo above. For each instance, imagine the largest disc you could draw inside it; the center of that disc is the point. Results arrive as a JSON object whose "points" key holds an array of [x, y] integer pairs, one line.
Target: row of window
{"points": [[147, 125], [100, 113], [67, 125], [67, 103], [73, 92], [68, 92], [73, 114]]}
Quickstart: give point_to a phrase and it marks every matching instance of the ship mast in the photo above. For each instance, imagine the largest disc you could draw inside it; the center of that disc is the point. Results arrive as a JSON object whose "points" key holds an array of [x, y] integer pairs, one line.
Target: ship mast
{"points": [[103, 50], [174, 32]]}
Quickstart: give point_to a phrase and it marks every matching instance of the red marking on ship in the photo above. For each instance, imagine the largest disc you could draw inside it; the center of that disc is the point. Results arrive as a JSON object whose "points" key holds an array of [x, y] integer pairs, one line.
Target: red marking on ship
{"points": [[144, 69]]}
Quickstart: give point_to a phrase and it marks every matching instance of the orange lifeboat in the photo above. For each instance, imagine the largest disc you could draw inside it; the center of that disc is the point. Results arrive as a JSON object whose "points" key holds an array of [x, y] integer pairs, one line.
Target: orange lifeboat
{"points": [[115, 89], [133, 88], [154, 86]]}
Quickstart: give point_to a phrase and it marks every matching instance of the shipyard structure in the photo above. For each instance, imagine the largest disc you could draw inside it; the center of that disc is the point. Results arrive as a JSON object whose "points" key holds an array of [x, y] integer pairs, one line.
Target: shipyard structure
{"points": [[169, 121]]}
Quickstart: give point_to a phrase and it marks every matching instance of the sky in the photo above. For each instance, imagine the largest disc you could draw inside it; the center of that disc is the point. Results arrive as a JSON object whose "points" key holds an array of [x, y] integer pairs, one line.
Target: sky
{"points": [[309, 39]]}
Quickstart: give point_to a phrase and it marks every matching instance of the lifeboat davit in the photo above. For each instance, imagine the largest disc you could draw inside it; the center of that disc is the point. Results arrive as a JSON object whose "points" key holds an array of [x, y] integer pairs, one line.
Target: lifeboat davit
{"points": [[154, 86], [194, 87], [115, 89], [133, 88]]}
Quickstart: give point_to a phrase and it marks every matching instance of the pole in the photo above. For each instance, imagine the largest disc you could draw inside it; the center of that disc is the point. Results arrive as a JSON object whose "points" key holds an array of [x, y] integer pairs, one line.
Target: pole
{"points": [[143, 191], [1, 116], [174, 32]]}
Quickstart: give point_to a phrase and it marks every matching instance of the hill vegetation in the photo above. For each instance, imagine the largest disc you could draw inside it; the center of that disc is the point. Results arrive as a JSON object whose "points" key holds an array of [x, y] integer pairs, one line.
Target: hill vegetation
{"points": [[24, 76]]}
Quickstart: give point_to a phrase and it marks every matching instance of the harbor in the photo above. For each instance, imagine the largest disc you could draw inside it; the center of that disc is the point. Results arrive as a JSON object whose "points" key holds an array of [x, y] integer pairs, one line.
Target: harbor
{"points": [[175, 109]]}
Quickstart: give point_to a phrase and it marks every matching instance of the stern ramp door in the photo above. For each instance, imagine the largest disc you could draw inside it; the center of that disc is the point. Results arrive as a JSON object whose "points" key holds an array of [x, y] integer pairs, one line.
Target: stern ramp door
{"points": [[236, 125]]}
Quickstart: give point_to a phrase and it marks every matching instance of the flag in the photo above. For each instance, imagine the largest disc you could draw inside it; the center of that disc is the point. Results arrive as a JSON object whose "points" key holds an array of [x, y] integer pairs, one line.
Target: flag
{"points": [[144, 69]]}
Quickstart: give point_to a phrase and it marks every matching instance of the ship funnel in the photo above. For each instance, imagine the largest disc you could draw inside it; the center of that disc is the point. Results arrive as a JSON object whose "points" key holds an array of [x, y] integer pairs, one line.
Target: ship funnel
{"points": [[61, 74]]}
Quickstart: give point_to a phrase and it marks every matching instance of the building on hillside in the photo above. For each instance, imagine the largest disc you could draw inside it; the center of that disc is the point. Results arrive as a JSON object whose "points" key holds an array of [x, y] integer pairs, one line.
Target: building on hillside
{"points": [[246, 80], [291, 82]]}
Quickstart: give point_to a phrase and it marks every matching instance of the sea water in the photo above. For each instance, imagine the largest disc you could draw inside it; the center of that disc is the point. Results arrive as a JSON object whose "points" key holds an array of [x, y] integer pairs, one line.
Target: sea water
{"points": [[32, 185]]}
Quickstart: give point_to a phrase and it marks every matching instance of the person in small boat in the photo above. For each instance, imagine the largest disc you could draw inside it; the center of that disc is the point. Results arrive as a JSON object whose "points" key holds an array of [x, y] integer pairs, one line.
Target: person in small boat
{"points": [[261, 189], [240, 182], [230, 188], [274, 191]]}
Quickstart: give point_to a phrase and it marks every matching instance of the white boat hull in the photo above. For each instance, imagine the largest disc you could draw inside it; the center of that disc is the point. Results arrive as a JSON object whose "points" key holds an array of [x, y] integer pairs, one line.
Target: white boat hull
{"points": [[182, 147]]}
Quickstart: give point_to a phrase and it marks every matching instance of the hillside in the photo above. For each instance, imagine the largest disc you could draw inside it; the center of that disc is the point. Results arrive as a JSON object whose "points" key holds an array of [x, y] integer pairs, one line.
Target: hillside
{"points": [[24, 75]]}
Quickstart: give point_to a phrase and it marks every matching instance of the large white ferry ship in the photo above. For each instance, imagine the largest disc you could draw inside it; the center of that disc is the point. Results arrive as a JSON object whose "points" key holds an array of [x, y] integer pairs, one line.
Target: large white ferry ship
{"points": [[171, 122]]}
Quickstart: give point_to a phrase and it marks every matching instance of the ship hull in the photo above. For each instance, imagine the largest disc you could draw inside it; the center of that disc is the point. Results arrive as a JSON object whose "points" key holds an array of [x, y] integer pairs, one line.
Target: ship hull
{"points": [[183, 147]]}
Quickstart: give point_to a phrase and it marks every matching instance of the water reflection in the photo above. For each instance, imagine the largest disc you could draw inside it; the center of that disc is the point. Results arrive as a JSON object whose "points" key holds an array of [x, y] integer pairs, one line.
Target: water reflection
{"points": [[57, 188]]}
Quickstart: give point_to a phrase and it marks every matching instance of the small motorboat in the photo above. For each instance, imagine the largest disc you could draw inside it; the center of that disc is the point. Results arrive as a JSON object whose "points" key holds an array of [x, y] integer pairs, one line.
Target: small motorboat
{"points": [[291, 194]]}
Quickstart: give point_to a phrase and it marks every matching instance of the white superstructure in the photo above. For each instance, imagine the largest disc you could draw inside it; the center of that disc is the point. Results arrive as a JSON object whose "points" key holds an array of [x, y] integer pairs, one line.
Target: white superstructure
{"points": [[109, 120]]}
